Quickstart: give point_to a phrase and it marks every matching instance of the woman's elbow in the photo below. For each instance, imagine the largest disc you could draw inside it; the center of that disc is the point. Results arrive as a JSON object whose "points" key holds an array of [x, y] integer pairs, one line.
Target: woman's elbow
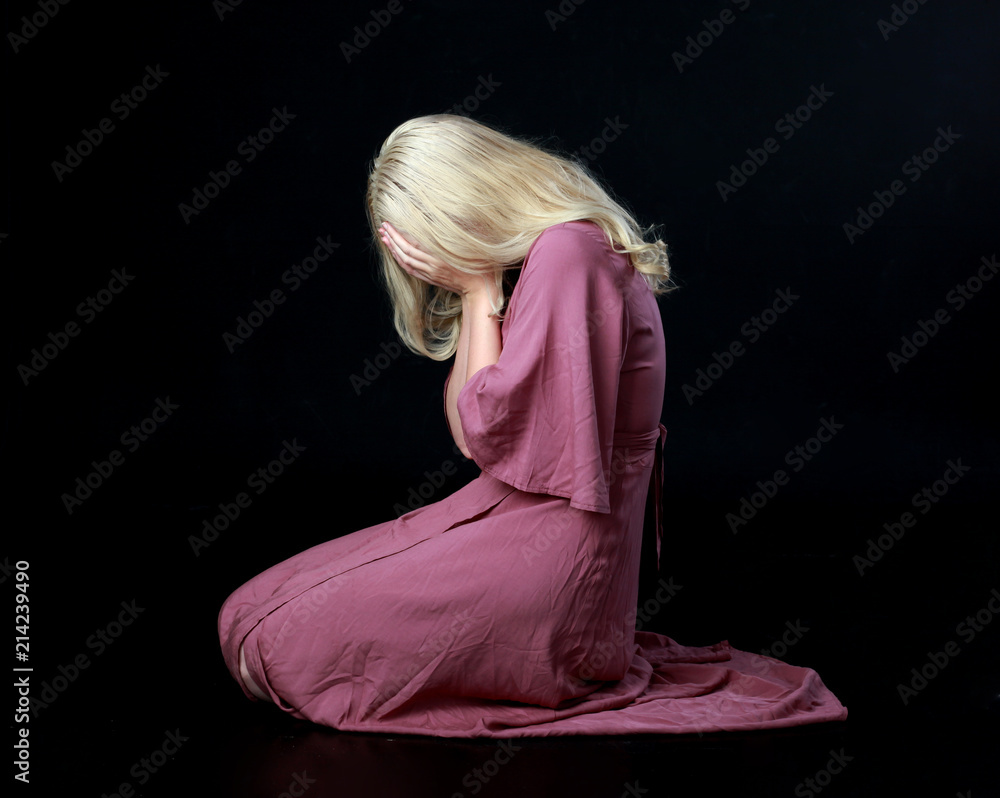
{"points": [[460, 445]]}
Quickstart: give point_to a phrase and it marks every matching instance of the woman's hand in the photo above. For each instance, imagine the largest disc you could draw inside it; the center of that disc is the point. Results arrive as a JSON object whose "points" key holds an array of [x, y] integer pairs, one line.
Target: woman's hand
{"points": [[424, 266]]}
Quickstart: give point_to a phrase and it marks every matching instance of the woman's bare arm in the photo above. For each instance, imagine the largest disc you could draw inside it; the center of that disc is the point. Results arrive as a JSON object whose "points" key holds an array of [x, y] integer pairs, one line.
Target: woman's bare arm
{"points": [[458, 379], [478, 346], [479, 336]]}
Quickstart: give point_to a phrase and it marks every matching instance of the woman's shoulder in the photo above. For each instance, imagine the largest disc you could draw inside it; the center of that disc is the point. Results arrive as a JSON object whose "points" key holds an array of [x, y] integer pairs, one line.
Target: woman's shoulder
{"points": [[569, 245], [577, 233]]}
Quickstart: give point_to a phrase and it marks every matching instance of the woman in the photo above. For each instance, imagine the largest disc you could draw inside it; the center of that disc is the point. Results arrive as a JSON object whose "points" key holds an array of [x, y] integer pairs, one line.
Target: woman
{"points": [[509, 607]]}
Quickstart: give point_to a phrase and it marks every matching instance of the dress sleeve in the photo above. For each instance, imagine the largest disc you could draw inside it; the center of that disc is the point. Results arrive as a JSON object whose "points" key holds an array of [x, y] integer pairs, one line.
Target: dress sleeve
{"points": [[542, 417]]}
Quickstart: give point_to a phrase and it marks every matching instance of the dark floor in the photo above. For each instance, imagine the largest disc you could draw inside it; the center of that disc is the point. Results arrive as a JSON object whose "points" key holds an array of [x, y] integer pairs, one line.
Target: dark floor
{"points": [[165, 682]]}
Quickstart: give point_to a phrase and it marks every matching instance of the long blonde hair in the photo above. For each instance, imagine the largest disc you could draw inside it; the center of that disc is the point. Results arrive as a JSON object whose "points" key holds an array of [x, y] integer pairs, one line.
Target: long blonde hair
{"points": [[477, 199]]}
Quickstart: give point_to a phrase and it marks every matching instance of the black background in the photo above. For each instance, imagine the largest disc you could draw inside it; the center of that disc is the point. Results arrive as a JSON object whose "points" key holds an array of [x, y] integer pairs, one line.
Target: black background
{"points": [[558, 81]]}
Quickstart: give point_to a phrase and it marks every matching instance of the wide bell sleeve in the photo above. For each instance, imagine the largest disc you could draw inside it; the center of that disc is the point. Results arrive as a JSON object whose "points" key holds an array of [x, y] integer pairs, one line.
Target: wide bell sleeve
{"points": [[542, 417]]}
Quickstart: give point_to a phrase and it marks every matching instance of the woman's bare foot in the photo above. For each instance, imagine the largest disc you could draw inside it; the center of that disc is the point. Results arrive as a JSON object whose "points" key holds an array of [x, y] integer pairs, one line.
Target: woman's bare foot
{"points": [[248, 681]]}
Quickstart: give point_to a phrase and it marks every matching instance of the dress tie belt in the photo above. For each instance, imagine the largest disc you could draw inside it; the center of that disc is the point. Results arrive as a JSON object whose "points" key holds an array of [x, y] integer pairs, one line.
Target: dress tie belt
{"points": [[655, 492], [638, 440]]}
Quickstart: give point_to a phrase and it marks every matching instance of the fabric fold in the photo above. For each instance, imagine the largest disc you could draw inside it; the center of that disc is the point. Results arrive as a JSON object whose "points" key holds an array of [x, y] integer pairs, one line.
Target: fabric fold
{"points": [[508, 608], [542, 417]]}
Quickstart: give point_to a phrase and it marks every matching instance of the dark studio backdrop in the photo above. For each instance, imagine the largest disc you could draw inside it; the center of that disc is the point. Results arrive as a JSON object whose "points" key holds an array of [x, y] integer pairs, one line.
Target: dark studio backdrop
{"points": [[192, 291]]}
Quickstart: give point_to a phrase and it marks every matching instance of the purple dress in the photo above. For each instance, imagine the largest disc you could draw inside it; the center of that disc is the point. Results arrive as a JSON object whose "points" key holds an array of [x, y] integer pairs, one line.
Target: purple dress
{"points": [[509, 608]]}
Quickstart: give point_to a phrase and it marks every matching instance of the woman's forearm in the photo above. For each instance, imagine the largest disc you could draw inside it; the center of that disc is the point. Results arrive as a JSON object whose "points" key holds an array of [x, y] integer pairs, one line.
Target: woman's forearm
{"points": [[478, 346], [484, 333], [455, 383]]}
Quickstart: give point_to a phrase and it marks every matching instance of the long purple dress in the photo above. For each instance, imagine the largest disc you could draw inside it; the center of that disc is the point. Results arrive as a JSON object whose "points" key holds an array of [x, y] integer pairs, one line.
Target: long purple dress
{"points": [[509, 608]]}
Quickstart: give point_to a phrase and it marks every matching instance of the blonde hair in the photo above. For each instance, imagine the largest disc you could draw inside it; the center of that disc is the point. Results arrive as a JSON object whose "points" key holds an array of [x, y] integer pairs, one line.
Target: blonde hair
{"points": [[477, 199]]}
